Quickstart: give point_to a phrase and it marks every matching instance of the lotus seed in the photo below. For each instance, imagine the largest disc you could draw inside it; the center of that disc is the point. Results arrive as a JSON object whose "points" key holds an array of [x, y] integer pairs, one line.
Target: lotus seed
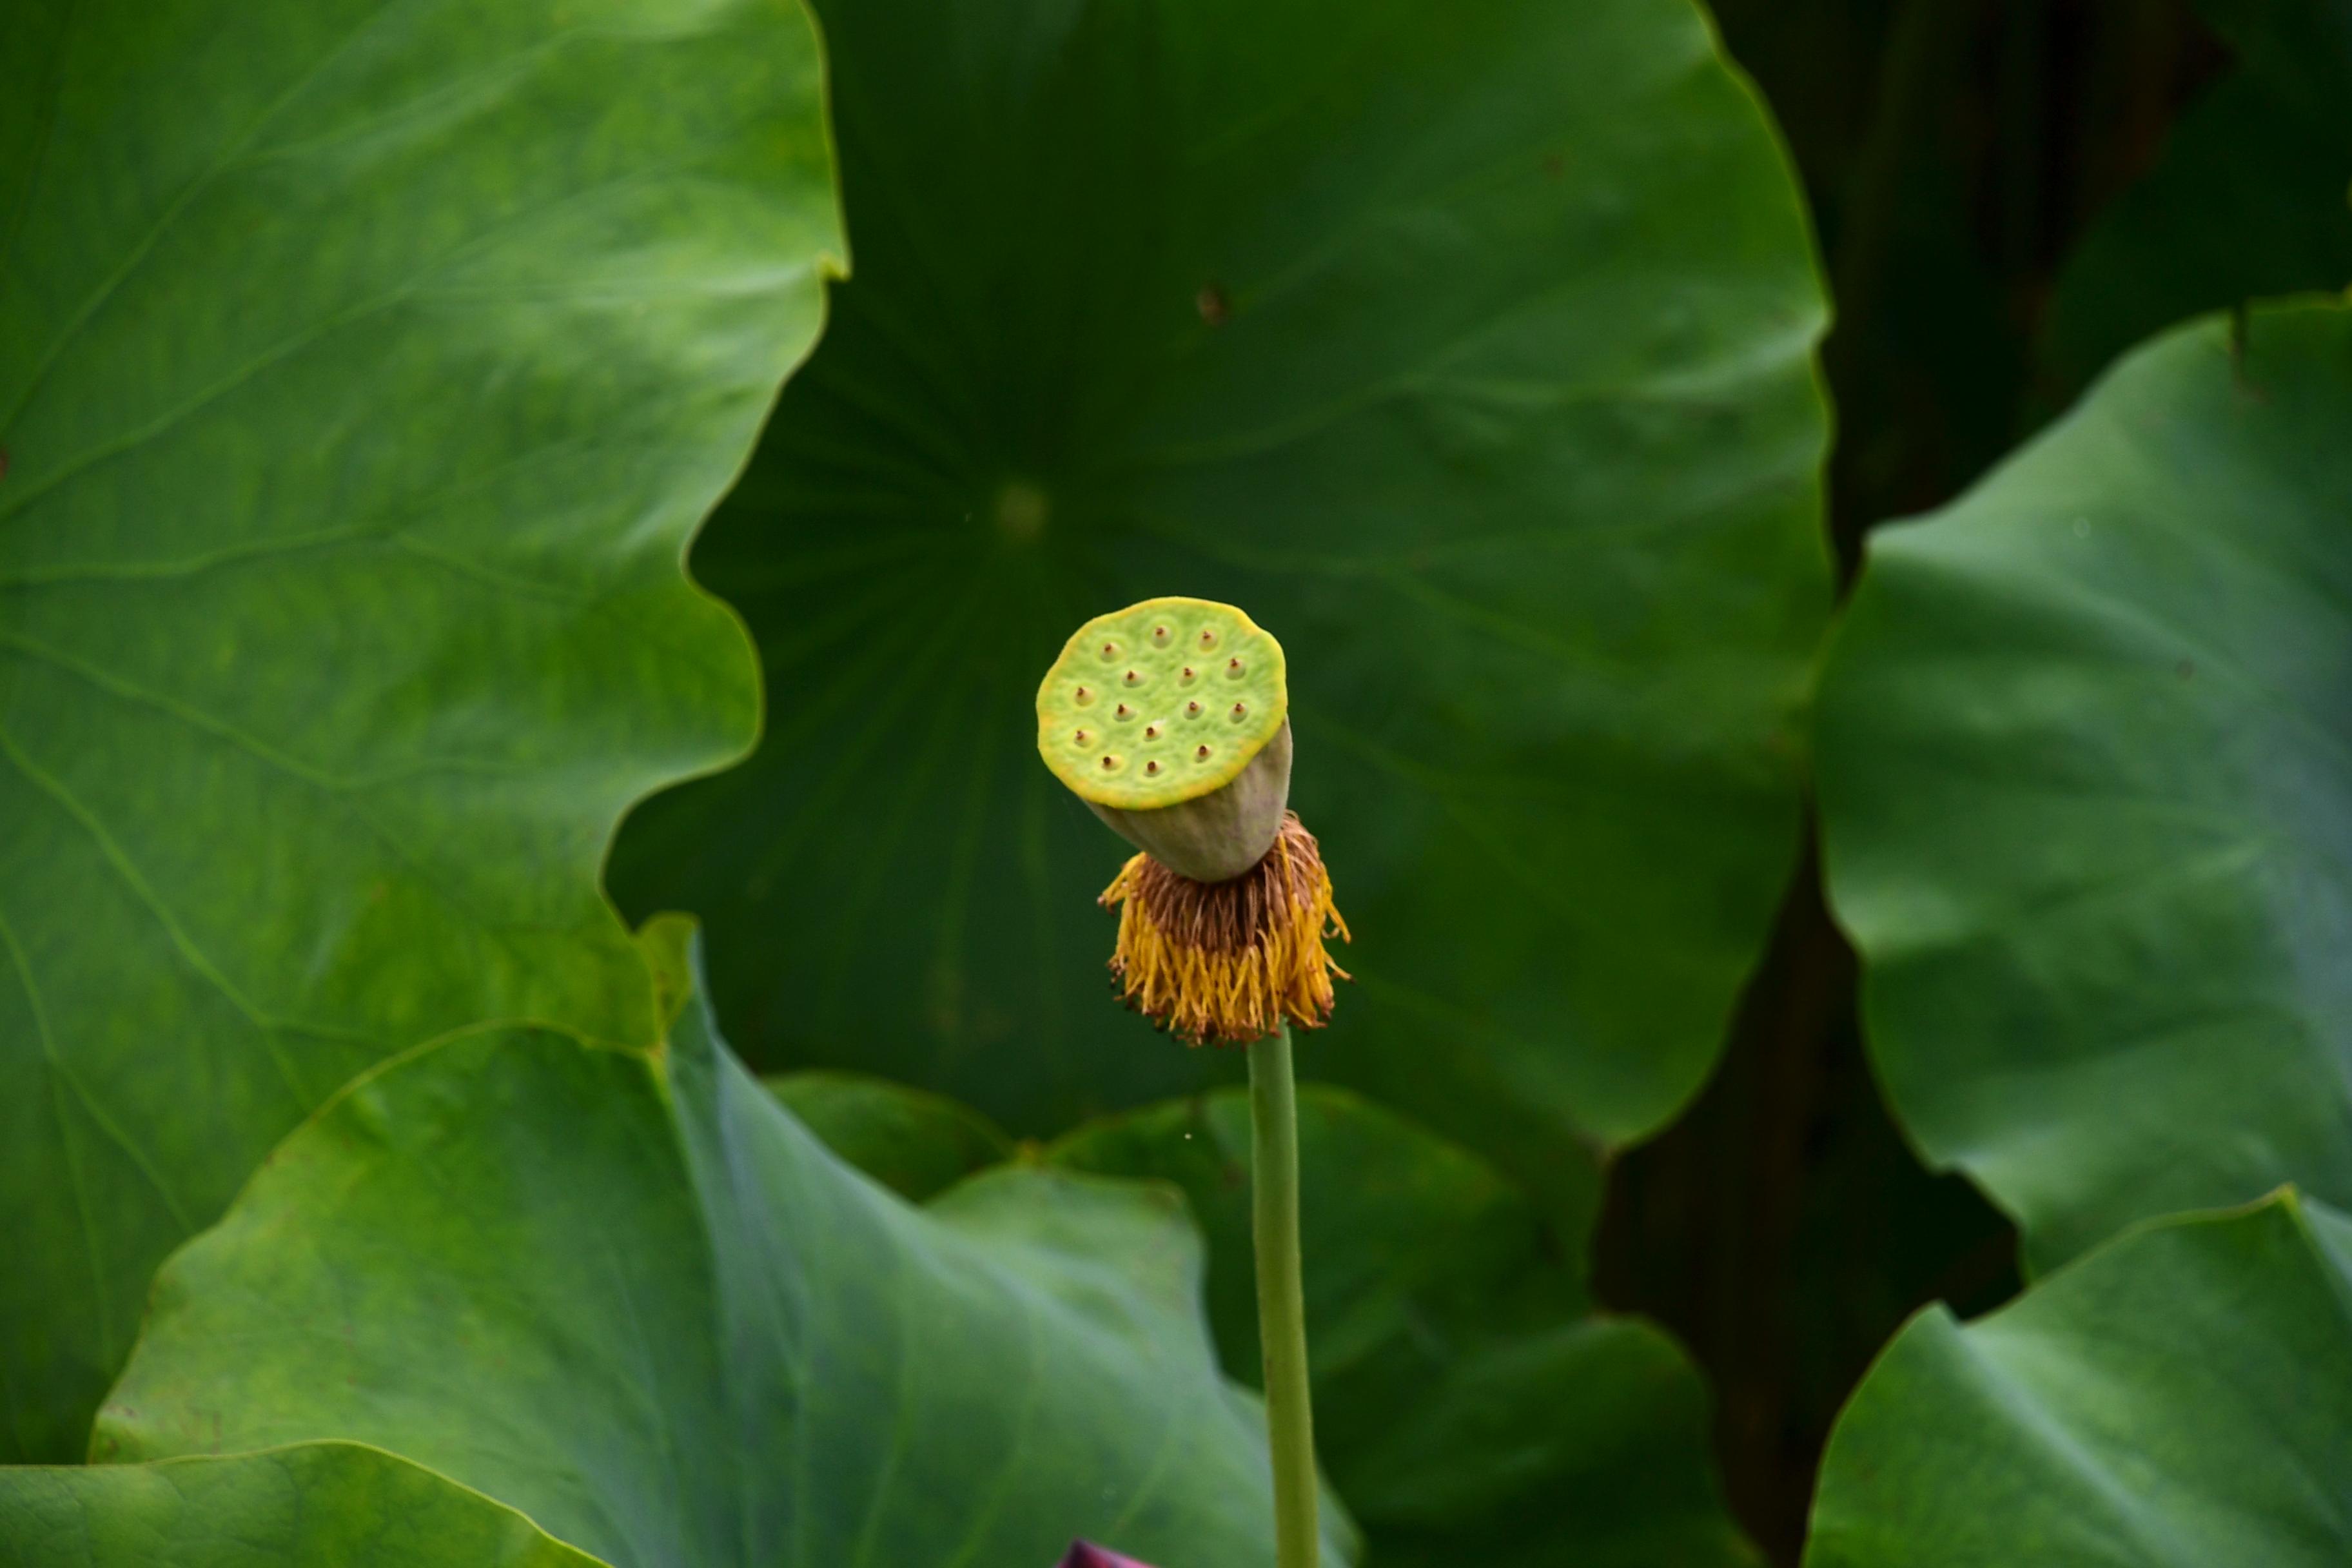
{"points": [[1151, 732], [1160, 636], [1240, 710], [1233, 668], [1084, 737], [1109, 763], [1125, 713], [1152, 767], [1192, 710], [1200, 754], [1132, 679], [1208, 637], [1188, 673], [1109, 651], [1085, 696]]}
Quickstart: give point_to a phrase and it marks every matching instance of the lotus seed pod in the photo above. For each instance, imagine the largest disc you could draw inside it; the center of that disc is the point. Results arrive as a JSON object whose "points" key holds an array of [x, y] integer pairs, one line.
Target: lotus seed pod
{"points": [[1170, 719]]}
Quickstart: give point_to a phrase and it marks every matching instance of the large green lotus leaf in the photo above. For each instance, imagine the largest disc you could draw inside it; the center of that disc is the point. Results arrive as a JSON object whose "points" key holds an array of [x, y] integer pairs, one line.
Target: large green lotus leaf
{"points": [[2248, 198], [1467, 349], [2086, 789], [632, 1296], [313, 1505], [1471, 1403], [364, 370], [2180, 1398]]}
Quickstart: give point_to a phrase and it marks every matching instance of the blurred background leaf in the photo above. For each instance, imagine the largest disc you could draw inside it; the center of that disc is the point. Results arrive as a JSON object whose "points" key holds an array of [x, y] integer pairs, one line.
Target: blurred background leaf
{"points": [[914, 1142], [363, 372], [2087, 792], [2252, 195], [2182, 1395], [311, 1505], [631, 1297], [1470, 350], [1954, 153]]}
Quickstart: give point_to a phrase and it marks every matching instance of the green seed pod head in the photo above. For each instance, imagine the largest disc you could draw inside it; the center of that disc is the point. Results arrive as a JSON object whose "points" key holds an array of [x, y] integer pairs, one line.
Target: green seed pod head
{"points": [[1161, 703]]}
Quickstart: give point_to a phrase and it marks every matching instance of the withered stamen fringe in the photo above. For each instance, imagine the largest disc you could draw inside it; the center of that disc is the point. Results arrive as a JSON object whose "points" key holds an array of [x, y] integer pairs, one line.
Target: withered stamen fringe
{"points": [[1226, 962]]}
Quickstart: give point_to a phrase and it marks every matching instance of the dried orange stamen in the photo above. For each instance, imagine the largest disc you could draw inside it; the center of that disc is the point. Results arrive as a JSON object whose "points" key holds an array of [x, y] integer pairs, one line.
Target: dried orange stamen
{"points": [[1228, 962]]}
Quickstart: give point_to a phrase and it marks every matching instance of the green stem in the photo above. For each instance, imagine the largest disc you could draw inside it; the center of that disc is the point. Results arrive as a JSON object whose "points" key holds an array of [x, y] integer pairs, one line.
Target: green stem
{"points": [[1281, 1299]]}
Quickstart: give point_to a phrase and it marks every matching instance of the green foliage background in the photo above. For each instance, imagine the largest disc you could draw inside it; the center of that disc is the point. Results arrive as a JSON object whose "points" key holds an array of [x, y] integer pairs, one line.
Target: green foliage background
{"points": [[367, 368], [1142, 304]]}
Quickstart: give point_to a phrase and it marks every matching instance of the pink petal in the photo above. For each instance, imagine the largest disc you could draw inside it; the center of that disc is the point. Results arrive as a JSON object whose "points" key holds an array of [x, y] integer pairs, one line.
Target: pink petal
{"points": [[1086, 1554]]}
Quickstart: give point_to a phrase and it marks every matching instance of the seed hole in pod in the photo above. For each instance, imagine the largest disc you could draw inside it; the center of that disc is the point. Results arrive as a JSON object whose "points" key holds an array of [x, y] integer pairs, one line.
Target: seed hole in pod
{"points": [[1208, 637], [1233, 669], [1191, 711], [1152, 766], [1151, 732], [1133, 677], [1160, 636], [1241, 711], [1200, 754], [1124, 713]]}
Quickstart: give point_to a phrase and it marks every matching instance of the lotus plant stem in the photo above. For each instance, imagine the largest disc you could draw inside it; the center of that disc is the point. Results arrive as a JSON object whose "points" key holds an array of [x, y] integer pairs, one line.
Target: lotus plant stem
{"points": [[1171, 719], [1281, 1298]]}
